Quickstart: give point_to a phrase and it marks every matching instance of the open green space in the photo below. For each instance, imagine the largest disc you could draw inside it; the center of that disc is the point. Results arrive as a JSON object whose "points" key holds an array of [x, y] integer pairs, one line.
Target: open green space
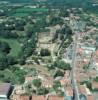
{"points": [[23, 12], [20, 14], [30, 10], [15, 46]]}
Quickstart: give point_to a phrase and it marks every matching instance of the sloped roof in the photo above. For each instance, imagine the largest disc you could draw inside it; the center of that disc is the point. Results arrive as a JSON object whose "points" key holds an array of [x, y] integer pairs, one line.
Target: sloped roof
{"points": [[41, 97], [4, 88], [55, 98]]}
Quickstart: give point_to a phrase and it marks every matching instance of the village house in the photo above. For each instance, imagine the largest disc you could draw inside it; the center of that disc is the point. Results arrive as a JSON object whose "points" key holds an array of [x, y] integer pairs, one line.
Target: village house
{"points": [[55, 98], [28, 79], [47, 81], [18, 90], [5, 91], [90, 97], [86, 92], [69, 93], [66, 80], [20, 97], [36, 97], [95, 85]]}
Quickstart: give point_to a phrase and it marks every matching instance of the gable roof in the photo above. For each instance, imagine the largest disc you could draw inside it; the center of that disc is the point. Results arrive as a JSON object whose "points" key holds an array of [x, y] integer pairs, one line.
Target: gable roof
{"points": [[95, 85], [55, 98], [35, 97], [90, 97], [4, 88], [24, 98]]}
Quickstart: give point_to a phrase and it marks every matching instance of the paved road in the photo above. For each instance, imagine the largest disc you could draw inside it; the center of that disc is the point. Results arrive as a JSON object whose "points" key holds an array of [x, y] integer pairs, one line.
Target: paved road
{"points": [[75, 28], [74, 83], [73, 75]]}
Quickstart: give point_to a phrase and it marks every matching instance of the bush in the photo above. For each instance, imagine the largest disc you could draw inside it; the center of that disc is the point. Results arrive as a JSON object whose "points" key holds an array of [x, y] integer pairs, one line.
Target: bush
{"points": [[37, 82], [4, 47], [59, 73], [56, 85], [42, 91]]}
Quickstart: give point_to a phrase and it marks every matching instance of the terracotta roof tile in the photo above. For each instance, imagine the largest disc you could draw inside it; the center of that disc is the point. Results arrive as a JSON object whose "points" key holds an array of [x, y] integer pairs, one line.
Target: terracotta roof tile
{"points": [[38, 97], [95, 85], [24, 98], [69, 91], [4, 88], [97, 53], [90, 97], [28, 79], [18, 97], [55, 98]]}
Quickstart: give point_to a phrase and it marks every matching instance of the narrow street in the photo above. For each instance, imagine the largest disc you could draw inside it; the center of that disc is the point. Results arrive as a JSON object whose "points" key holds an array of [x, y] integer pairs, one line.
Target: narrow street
{"points": [[75, 29], [73, 75]]}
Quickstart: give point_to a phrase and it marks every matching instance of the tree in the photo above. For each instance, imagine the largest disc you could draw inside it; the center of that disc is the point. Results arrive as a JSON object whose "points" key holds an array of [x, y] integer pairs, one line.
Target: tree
{"points": [[56, 20], [86, 67], [59, 73], [20, 75], [19, 24], [8, 76], [62, 65], [37, 83], [13, 75], [29, 30], [96, 79], [3, 62], [50, 67], [88, 84], [64, 13], [66, 30], [20, 28], [29, 46], [22, 61], [11, 60], [56, 85], [45, 52], [8, 33], [42, 91], [4, 47], [86, 38]]}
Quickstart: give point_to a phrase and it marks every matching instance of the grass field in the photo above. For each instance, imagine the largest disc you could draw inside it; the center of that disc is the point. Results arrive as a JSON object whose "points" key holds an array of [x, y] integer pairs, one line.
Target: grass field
{"points": [[15, 46], [30, 10], [20, 14], [23, 12]]}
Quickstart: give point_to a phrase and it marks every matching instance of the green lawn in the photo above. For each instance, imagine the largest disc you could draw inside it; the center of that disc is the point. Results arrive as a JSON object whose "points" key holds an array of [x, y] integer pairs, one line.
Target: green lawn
{"points": [[23, 12], [30, 10], [15, 46], [17, 14]]}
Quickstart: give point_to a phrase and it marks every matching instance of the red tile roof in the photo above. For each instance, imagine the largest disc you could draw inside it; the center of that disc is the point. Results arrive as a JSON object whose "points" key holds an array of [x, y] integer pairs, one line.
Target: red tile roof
{"points": [[95, 85], [38, 97], [28, 79], [90, 97], [69, 91], [97, 53], [24, 98], [15, 97], [18, 97], [65, 81], [80, 50], [67, 74], [5, 88], [55, 98], [92, 73]]}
